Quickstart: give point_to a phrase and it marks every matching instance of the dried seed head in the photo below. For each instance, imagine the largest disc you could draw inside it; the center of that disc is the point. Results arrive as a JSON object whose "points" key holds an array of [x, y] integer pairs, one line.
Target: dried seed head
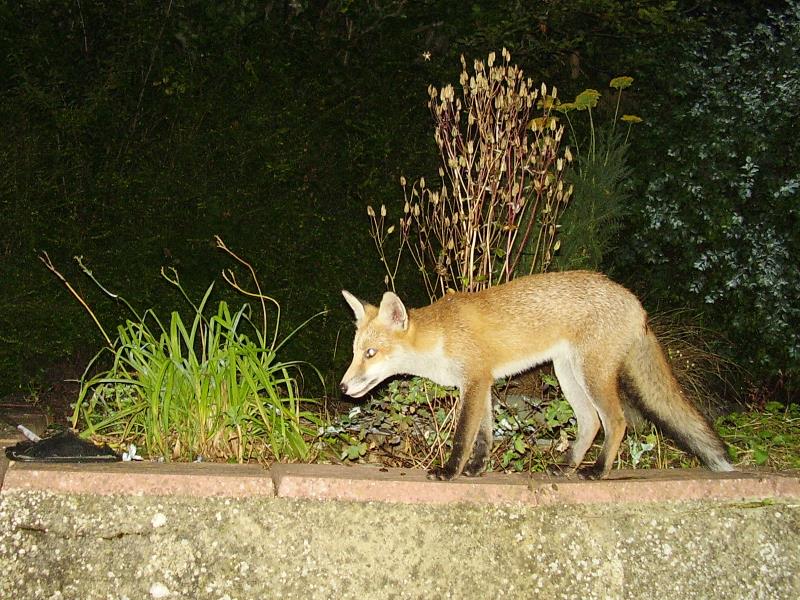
{"points": [[446, 93], [370, 212], [383, 210]]}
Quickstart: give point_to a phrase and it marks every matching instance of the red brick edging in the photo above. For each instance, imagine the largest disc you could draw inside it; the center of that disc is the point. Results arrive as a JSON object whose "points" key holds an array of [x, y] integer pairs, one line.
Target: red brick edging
{"points": [[372, 483]]}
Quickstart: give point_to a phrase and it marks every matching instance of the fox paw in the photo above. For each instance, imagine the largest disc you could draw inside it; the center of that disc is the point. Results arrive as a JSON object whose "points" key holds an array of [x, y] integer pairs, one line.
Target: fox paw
{"points": [[560, 470], [442, 473], [476, 472], [474, 468], [593, 472]]}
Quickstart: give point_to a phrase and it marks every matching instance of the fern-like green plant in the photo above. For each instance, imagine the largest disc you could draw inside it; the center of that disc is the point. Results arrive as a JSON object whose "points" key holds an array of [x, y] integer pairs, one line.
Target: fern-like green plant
{"points": [[599, 177]]}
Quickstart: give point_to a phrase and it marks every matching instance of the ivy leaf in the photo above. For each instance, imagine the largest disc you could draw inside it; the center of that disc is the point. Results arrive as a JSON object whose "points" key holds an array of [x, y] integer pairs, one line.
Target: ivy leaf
{"points": [[760, 455]]}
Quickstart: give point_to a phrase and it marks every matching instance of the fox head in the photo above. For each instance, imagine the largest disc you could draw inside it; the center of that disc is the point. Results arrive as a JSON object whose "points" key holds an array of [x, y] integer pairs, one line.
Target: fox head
{"points": [[377, 347]]}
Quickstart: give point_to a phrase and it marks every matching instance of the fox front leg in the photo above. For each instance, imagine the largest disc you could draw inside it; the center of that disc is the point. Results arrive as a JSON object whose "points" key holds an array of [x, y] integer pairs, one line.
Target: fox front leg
{"points": [[483, 444], [473, 438]]}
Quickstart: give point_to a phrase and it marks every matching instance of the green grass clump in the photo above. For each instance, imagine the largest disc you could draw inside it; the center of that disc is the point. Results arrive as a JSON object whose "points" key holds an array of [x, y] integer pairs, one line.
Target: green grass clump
{"points": [[212, 387]]}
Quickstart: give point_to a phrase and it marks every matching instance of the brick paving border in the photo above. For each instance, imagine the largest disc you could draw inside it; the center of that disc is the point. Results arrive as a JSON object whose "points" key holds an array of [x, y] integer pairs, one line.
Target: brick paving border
{"points": [[372, 483]]}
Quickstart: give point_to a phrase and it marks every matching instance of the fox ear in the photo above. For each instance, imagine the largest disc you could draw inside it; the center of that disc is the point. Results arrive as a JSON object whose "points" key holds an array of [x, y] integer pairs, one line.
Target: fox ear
{"points": [[355, 304], [393, 312]]}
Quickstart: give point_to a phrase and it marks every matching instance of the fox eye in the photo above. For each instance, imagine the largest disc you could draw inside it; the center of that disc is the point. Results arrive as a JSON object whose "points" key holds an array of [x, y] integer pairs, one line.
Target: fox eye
{"points": [[370, 352]]}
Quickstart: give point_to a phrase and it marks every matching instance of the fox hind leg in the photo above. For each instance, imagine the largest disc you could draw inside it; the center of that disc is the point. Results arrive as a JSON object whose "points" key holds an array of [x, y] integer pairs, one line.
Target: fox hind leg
{"points": [[571, 381], [604, 393]]}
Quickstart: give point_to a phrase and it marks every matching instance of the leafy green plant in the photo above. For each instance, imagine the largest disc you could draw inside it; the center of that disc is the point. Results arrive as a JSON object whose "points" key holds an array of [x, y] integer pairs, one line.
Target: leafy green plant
{"points": [[410, 425], [767, 437], [764, 437], [210, 387], [637, 448], [533, 423]]}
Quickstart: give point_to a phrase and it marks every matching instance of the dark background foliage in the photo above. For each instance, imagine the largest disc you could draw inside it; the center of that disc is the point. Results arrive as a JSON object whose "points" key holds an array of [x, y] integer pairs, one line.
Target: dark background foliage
{"points": [[132, 132]]}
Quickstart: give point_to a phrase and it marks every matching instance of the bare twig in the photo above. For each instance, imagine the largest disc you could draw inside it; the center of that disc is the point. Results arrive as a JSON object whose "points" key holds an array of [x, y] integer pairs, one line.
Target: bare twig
{"points": [[230, 278], [45, 258]]}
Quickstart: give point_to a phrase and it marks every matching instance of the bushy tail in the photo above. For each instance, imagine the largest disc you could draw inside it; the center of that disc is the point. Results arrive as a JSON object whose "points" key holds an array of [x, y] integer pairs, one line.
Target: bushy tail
{"points": [[662, 401]]}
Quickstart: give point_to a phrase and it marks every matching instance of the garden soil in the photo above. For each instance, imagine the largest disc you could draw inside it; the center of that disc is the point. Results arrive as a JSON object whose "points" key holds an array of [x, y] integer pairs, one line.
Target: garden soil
{"points": [[103, 547]]}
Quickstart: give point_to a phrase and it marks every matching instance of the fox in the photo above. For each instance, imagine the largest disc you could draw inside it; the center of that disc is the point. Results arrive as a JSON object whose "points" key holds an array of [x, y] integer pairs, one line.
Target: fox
{"points": [[593, 330]]}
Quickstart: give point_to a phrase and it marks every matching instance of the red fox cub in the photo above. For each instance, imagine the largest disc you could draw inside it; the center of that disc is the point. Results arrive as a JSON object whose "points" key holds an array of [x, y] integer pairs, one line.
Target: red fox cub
{"points": [[592, 329]]}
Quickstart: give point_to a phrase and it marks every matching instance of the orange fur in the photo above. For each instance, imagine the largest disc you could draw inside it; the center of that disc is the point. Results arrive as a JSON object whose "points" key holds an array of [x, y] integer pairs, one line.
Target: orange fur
{"points": [[592, 329]]}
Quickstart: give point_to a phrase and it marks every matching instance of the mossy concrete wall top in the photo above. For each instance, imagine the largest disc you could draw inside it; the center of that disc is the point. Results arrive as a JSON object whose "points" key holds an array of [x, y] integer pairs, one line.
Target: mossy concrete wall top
{"points": [[93, 547]]}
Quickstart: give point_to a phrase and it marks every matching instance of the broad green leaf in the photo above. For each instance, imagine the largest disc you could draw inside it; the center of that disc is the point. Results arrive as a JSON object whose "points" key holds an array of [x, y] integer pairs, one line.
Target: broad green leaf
{"points": [[587, 99]]}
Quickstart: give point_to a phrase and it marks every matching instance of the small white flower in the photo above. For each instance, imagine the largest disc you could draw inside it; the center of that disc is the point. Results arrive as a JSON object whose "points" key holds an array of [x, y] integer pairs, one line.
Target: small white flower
{"points": [[131, 454]]}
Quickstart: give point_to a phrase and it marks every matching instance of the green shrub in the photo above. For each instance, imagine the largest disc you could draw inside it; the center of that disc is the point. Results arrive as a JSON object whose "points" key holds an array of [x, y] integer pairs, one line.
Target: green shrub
{"points": [[715, 221]]}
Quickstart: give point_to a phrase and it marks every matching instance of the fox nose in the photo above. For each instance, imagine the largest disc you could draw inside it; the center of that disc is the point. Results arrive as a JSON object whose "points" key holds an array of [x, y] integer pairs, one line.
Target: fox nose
{"points": [[343, 387]]}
